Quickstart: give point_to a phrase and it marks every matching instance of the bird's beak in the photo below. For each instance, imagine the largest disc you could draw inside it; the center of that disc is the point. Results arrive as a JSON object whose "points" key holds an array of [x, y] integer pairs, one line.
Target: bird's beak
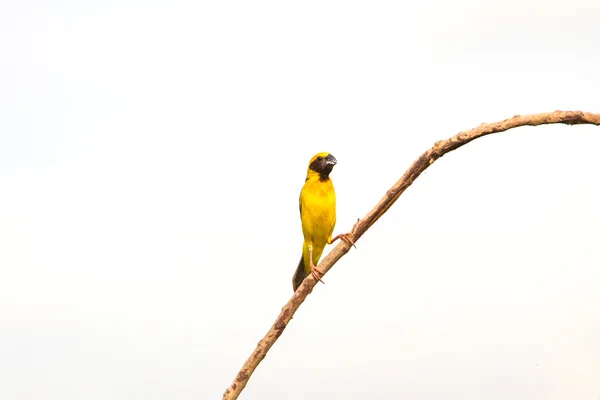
{"points": [[330, 160]]}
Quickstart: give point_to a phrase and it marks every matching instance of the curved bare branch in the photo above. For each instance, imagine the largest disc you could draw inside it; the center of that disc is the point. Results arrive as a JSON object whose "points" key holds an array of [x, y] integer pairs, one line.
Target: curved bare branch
{"points": [[421, 164]]}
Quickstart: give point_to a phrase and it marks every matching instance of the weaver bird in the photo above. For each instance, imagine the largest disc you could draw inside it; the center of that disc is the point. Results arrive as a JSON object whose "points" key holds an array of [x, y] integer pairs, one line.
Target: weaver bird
{"points": [[317, 212]]}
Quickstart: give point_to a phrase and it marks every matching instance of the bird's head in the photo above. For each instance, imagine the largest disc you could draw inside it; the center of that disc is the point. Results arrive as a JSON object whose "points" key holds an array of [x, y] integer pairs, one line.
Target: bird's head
{"points": [[321, 164]]}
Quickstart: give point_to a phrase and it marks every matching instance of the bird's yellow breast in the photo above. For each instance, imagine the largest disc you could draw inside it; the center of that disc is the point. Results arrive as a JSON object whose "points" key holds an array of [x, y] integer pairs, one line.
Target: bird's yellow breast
{"points": [[317, 208]]}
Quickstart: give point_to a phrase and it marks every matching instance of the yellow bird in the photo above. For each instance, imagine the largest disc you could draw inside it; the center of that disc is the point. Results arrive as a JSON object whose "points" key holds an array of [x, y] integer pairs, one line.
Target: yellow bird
{"points": [[317, 212]]}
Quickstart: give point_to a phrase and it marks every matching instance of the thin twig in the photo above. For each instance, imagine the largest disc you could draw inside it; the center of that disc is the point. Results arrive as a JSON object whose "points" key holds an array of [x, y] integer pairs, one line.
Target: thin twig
{"points": [[421, 164]]}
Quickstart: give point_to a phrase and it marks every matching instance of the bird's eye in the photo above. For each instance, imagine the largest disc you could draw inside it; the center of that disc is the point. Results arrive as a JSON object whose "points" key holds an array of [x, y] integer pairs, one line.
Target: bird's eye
{"points": [[319, 158]]}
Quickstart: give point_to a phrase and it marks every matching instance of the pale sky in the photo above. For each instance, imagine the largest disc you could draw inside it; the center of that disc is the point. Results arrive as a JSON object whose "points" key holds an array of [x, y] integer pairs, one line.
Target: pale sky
{"points": [[151, 158]]}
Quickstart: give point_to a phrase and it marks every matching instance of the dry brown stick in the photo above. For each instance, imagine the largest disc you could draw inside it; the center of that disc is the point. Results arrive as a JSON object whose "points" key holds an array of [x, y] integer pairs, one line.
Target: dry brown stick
{"points": [[425, 160]]}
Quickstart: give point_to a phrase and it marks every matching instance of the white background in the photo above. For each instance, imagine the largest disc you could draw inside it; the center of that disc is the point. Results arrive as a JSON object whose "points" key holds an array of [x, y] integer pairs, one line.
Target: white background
{"points": [[151, 157]]}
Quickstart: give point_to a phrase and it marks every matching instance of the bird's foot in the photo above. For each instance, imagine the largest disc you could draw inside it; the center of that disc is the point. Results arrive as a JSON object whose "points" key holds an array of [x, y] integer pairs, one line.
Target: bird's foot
{"points": [[316, 273], [345, 237]]}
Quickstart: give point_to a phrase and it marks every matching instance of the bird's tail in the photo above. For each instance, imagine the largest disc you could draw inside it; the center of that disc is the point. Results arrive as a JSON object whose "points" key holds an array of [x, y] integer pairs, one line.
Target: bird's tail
{"points": [[300, 274]]}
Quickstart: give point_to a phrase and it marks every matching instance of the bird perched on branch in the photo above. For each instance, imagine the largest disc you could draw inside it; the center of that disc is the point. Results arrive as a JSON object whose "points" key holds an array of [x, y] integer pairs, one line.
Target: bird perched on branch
{"points": [[317, 212]]}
